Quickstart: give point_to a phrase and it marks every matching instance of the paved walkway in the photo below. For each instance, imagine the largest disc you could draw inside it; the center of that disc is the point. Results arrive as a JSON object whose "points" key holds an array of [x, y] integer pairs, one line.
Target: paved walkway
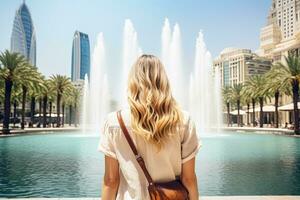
{"points": [[276, 131], [14, 132], [202, 198]]}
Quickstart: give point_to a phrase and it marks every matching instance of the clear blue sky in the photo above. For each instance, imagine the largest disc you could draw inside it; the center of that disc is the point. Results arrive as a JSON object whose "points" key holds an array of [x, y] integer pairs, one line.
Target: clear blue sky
{"points": [[225, 23]]}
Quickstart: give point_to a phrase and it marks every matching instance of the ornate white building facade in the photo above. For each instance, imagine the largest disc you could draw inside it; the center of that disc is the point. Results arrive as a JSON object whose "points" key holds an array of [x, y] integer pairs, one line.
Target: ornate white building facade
{"points": [[281, 35]]}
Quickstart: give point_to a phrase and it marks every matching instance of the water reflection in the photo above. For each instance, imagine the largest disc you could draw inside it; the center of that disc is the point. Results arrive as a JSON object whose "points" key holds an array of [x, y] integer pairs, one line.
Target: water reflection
{"points": [[249, 165], [68, 165]]}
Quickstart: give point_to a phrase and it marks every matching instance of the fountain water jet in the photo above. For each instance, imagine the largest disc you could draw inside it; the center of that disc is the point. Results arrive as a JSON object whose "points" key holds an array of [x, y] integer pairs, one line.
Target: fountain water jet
{"points": [[104, 107], [131, 51], [205, 105], [204, 94], [218, 99], [96, 101], [84, 106], [165, 42], [99, 96], [172, 59]]}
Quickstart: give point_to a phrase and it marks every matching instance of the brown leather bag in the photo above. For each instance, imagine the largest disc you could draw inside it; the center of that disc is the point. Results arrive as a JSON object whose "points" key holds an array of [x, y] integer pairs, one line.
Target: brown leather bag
{"points": [[172, 190]]}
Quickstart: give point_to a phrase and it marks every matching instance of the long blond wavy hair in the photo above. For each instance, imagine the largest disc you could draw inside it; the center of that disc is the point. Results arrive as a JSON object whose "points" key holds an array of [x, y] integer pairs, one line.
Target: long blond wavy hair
{"points": [[155, 114]]}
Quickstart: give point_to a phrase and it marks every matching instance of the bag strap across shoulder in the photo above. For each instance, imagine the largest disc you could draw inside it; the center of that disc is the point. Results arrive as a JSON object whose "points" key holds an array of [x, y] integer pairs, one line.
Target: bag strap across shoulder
{"points": [[138, 157]]}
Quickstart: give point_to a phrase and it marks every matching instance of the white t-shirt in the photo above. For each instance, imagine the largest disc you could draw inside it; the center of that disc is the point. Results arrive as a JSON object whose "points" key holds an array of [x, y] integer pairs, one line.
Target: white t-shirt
{"points": [[164, 165]]}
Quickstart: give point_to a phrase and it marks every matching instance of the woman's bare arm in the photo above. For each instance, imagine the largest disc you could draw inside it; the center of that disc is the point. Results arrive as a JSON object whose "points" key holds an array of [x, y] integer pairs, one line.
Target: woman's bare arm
{"points": [[111, 179], [189, 179]]}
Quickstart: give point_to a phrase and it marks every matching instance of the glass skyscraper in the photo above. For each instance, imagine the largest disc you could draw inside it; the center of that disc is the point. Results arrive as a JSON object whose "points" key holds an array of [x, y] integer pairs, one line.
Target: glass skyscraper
{"points": [[23, 39], [80, 56]]}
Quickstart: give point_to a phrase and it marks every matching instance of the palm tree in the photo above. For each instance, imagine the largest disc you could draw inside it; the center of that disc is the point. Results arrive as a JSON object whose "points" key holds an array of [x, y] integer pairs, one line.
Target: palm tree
{"points": [[65, 101], [33, 94], [260, 82], [72, 100], [32, 109], [51, 100], [1, 90], [31, 79], [236, 92], [257, 85], [249, 91], [1, 94], [227, 98], [276, 87], [16, 99], [289, 73], [77, 94], [45, 93], [40, 100], [60, 84], [247, 99], [68, 100], [13, 66]]}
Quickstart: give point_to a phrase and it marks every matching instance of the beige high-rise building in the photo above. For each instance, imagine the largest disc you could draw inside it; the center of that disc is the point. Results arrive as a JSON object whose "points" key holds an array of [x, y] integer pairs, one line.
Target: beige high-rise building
{"points": [[282, 32], [236, 65], [280, 36]]}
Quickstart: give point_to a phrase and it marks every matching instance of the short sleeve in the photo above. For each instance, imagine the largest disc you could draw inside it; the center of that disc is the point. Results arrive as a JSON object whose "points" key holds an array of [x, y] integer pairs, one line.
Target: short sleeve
{"points": [[106, 144], [190, 144]]}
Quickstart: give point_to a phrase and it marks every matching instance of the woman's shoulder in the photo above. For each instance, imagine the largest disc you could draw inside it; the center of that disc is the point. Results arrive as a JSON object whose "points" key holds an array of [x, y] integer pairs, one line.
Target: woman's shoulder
{"points": [[112, 119], [186, 116]]}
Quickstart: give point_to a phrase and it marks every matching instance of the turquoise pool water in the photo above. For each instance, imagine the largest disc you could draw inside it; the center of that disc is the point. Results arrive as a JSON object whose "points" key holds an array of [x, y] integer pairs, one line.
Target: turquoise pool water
{"points": [[68, 165]]}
